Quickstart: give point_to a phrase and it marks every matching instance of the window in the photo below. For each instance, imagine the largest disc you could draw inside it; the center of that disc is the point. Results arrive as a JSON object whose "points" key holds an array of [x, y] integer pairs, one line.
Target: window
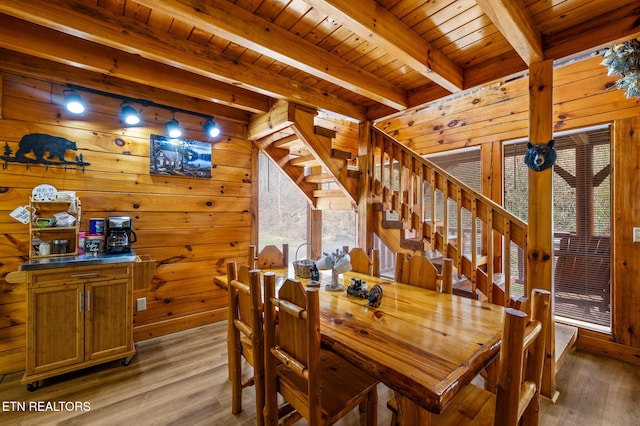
{"points": [[338, 229], [283, 211], [463, 164], [582, 220]]}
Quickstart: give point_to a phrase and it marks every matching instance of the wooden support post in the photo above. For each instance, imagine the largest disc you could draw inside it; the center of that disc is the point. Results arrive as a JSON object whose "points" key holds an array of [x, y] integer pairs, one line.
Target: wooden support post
{"points": [[364, 238], [540, 238], [255, 189], [315, 232]]}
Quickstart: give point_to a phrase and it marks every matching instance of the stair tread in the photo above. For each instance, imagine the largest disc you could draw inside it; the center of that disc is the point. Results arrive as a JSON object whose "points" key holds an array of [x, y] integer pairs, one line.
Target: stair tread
{"points": [[304, 161], [463, 288], [320, 178], [328, 193]]}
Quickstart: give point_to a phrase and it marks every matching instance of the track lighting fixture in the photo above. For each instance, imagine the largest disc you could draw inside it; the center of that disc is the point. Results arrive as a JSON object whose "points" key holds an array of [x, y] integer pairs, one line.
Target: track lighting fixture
{"points": [[211, 128], [73, 102], [129, 115], [173, 129]]}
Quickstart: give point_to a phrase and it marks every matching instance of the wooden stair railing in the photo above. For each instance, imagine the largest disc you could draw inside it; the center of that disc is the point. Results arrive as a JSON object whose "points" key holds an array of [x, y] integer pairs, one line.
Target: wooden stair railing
{"points": [[437, 212]]}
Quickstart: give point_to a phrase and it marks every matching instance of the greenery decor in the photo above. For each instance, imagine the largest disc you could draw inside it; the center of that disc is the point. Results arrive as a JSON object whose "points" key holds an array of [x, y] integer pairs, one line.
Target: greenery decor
{"points": [[624, 59]]}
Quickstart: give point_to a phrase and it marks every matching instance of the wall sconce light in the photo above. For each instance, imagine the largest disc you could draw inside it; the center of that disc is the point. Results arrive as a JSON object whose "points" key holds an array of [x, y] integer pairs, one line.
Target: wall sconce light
{"points": [[73, 102], [173, 129], [211, 128], [129, 115]]}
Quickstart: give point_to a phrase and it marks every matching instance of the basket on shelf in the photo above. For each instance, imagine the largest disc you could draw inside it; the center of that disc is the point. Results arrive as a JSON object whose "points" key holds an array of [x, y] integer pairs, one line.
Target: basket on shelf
{"points": [[302, 268]]}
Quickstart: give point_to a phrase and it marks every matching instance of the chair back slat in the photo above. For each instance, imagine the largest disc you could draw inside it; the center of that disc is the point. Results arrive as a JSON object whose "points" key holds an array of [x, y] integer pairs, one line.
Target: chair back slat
{"points": [[416, 270], [522, 353], [362, 263], [298, 342], [271, 257], [245, 318]]}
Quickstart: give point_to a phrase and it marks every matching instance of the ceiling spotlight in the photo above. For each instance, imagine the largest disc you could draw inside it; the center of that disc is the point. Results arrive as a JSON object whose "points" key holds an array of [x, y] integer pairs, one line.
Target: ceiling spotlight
{"points": [[211, 128], [129, 115], [173, 129], [73, 102]]}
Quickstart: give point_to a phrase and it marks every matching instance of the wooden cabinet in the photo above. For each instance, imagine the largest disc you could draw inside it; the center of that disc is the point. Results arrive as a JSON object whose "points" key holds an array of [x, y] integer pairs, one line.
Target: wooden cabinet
{"points": [[77, 317], [46, 210]]}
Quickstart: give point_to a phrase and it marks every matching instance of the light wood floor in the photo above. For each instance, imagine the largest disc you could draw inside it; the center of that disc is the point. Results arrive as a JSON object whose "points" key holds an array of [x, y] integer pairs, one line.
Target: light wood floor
{"points": [[181, 379]]}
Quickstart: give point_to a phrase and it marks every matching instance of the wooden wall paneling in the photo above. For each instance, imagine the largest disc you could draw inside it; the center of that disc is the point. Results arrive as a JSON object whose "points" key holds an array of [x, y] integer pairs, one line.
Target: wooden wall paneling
{"points": [[443, 115], [173, 325], [1, 94], [189, 226], [582, 97], [184, 304], [14, 177], [626, 253]]}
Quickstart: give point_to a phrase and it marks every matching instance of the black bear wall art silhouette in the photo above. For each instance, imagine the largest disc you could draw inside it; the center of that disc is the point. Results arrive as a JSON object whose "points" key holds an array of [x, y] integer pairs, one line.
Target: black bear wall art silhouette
{"points": [[33, 146], [540, 157]]}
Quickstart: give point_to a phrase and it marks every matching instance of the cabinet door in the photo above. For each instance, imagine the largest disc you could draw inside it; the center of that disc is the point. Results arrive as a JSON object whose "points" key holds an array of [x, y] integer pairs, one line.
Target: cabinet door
{"points": [[55, 336], [108, 318]]}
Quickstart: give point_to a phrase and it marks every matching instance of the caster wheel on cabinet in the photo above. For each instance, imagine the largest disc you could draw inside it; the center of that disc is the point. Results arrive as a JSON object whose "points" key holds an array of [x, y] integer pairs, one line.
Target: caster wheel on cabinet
{"points": [[33, 386]]}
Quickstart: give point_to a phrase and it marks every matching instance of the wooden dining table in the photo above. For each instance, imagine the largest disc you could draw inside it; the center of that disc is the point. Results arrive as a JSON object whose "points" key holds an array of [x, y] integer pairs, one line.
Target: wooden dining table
{"points": [[422, 344]]}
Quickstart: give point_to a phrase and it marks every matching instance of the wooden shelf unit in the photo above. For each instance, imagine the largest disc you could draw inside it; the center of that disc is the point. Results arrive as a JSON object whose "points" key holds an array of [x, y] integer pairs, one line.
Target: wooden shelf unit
{"points": [[46, 209]]}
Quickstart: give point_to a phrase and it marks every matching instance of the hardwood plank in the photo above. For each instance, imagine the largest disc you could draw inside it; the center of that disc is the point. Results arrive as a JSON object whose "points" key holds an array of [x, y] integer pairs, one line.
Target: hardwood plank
{"points": [[182, 378]]}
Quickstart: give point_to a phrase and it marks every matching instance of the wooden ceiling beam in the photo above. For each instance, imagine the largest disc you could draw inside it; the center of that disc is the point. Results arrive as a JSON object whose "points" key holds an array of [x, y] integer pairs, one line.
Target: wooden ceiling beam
{"points": [[166, 52], [237, 25], [517, 26], [373, 22], [608, 28], [23, 37]]}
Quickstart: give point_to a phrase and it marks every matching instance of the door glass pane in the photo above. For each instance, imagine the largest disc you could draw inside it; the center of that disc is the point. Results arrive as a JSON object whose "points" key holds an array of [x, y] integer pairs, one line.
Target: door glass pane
{"points": [[582, 220]]}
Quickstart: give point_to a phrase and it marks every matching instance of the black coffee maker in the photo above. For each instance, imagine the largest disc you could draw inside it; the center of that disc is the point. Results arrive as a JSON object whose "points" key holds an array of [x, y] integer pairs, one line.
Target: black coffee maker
{"points": [[119, 235]]}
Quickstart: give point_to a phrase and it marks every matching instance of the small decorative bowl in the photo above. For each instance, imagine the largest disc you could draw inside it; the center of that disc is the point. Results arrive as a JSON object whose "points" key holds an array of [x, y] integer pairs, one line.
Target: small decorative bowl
{"points": [[45, 222]]}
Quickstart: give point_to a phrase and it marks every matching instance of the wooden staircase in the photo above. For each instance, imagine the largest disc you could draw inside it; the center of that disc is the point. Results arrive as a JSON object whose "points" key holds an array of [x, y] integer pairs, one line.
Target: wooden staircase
{"points": [[328, 177], [421, 209], [417, 207]]}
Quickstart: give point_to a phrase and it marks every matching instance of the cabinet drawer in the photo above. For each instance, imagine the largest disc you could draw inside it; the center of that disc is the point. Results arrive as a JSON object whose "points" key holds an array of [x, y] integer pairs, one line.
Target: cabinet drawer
{"points": [[78, 275]]}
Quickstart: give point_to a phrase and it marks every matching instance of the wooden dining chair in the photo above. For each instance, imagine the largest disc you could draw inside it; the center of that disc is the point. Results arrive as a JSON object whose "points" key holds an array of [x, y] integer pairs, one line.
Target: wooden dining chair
{"points": [[269, 257], [522, 352], [245, 336], [419, 271], [319, 384], [364, 264]]}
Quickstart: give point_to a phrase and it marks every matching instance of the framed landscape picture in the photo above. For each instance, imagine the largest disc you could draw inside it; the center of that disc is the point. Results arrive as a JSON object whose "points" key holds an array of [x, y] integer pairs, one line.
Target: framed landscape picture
{"points": [[179, 157]]}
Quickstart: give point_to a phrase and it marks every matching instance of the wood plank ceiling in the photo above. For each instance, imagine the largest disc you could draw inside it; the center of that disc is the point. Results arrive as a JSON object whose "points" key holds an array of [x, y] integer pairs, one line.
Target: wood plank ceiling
{"points": [[361, 59]]}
